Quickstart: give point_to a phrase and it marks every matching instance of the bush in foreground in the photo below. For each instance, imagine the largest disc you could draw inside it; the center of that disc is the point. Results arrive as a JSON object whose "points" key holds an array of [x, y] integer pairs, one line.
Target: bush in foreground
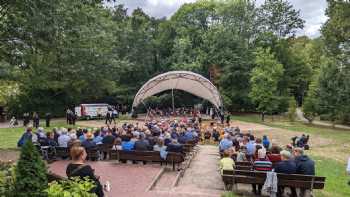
{"points": [[71, 188], [30, 173]]}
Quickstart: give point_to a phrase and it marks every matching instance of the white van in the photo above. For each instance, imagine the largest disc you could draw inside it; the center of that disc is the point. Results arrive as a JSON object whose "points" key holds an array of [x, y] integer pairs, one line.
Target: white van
{"points": [[90, 111]]}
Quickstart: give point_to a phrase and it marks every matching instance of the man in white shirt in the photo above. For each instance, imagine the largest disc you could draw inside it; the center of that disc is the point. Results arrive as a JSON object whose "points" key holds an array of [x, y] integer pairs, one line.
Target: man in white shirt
{"points": [[64, 138]]}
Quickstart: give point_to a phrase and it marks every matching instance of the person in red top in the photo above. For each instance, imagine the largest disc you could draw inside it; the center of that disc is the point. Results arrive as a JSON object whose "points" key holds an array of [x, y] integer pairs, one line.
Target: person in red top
{"points": [[262, 163], [274, 156]]}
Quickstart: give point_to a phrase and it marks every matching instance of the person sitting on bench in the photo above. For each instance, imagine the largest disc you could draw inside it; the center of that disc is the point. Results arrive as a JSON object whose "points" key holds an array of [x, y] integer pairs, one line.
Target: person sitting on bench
{"points": [[286, 166], [304, 165], [226, 163], [174, 146], [225, 143], [78, 168], [261, 164]]}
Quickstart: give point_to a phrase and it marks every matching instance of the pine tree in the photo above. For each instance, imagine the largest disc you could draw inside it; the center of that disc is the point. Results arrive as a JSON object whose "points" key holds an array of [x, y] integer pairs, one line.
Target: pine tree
{"points": [[31, 178]]}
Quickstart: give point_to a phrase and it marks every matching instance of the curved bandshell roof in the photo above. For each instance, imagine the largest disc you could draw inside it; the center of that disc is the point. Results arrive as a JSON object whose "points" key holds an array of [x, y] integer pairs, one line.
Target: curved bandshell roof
{"points": [[182, 80]]}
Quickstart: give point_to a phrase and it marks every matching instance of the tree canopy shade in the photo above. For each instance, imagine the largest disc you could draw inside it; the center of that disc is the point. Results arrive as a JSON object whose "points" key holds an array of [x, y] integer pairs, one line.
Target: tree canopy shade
{"points": [[181, 80]]}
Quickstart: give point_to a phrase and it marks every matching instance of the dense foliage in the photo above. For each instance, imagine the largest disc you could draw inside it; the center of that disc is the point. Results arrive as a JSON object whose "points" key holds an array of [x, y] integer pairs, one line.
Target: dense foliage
{"points": [[30, 173], [7, 178], [61, 53], [71, 188]]}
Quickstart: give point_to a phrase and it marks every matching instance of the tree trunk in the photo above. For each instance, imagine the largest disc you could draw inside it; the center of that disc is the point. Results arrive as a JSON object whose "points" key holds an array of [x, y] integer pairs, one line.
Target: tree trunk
{"points": [[263, 116]]}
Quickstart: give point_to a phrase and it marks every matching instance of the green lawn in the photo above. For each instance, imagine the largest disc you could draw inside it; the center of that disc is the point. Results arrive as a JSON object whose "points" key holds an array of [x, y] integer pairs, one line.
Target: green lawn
{"points": [[10, 136], [336, 178]]}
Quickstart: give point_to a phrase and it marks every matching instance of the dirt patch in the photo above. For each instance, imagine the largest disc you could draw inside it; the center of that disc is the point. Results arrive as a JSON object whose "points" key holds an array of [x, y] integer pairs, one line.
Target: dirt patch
{"points": [[9, 155], [319, 146]]}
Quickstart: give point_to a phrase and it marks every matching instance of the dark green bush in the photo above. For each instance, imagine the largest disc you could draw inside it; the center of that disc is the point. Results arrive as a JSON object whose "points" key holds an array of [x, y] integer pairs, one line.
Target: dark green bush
{"points": [[31, 178]]}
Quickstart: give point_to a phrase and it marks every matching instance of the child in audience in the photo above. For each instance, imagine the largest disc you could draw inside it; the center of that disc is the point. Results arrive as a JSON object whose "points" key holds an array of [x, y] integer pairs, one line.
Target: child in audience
{"points": [[226, 163]]}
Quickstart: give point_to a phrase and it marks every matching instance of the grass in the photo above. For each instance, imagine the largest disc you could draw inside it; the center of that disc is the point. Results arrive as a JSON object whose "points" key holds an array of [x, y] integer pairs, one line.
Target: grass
{"points": [[336, 177], [10, 136]]}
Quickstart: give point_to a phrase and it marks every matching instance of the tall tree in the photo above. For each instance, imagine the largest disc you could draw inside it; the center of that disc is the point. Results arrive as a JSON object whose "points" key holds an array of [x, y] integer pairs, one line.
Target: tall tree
{"points": [[280, 18], [264, 82]]}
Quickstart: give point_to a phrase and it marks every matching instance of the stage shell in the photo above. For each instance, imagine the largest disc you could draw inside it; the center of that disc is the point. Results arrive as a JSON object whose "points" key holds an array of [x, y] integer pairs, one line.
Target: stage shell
{"points": [[180, 80]]}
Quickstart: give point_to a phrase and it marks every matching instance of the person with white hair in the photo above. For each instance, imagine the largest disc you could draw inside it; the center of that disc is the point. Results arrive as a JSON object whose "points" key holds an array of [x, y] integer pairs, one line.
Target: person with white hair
{"points": [[64, 138], [286, 166], [41, 133], [225, 143], [261, 164]]}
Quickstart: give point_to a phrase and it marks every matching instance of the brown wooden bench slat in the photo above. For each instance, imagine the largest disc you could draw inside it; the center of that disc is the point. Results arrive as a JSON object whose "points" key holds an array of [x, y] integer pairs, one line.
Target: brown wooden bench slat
{"points": [[243, 163], [150, 156], [287, 180], [228, 179]]}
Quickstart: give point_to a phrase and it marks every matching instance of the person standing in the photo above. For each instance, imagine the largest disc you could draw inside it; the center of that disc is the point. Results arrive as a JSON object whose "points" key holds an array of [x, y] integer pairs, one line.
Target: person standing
{"points": [[114, 115], [26, 119], [74, 117], [228, 118], [36, 120], [48, 119], [108, 117], [68, 116]]}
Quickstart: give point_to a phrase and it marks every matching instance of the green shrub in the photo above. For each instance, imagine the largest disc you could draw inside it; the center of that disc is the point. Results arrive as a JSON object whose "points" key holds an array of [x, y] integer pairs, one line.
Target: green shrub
{"points": [[31, 173], [71, 188], [7, 177]]}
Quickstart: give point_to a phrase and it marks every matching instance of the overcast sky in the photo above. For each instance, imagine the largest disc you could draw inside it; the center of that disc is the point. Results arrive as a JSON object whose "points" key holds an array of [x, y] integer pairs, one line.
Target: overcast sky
{"points": [[312, 11]]}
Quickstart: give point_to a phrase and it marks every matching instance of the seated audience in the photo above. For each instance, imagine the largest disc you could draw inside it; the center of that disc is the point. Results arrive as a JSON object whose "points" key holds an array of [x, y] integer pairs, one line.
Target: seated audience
{"points": [[226, 163], [97, 137], [50, 140], [64, 138], [304, 166], [174, 146], [117, 144], [88, 142], [261, 164], [26, 136], [274, 155], [109, 138], [286, 166], [225, 143], [78, 168], [141, 144], [251, 147], [266, 142], [216, 135], [303, 163], [128, 144], [241, 155], [159, 145]]}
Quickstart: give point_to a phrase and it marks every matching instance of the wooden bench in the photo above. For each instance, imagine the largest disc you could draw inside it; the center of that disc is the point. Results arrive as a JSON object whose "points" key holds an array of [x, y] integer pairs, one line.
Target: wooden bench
{"points": [[230, 177], [62, 152], [93, 153], [148, 156], [105, 149]]}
